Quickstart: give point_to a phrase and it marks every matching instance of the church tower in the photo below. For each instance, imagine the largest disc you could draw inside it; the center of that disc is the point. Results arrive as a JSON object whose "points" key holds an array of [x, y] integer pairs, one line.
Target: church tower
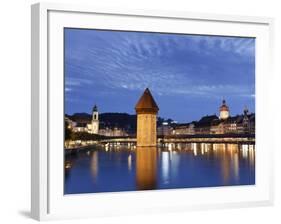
{"points": [[224, 111], [146, 110], [95, 120], [246, 120]]}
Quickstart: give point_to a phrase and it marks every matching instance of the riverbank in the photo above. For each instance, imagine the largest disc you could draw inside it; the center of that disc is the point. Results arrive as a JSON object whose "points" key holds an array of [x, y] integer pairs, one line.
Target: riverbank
{"points": [[77, 149]]}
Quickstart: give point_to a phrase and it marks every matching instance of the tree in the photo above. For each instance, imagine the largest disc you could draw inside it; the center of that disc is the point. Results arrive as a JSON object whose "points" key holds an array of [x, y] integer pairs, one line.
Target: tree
{"points": [[67, 131]]}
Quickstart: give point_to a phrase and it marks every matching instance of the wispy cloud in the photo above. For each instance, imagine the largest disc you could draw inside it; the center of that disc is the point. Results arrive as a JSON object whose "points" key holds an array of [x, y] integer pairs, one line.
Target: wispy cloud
{"points": [[67, 89], [171, 65]]}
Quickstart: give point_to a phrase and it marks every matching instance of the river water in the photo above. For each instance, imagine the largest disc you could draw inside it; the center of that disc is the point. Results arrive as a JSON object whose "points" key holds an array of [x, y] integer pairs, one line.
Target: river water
{"points": [[127, 168]]}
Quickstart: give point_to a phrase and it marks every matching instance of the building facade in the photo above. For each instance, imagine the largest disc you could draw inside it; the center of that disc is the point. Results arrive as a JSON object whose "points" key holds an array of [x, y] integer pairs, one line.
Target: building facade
{"points": [[113, 132], [224, 124], [91, 127]]}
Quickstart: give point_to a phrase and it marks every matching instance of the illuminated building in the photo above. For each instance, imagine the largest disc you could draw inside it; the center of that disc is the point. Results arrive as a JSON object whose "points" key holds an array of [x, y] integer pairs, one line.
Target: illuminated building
{"points": [[164, 129], [91, 127], [224, 124], [224, 111], [112, 132], [146, 110], [95, 121]]}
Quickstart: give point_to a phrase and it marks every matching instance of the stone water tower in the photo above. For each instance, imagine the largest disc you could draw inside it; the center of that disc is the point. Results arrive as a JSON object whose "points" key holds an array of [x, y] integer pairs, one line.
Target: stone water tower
{"points": [[146, 110]]}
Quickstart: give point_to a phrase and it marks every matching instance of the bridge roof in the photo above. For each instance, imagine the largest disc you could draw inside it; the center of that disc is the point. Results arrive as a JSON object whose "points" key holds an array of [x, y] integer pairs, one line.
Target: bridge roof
{"points": [[146, 103]]}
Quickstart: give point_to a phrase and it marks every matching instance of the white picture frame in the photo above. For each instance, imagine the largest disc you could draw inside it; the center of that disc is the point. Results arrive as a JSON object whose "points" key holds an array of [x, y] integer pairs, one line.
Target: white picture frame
{"points": [[48, 201]]}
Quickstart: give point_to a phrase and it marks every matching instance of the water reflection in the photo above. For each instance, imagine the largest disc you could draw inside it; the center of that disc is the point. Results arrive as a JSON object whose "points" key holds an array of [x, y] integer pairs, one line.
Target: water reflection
{"points": [[67, 167], [146, 168], [165, 166], [94, 164], [126, 167], [130, 162]]}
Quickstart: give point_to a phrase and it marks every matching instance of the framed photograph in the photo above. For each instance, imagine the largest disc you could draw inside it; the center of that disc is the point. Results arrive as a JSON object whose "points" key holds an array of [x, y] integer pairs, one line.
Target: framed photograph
{"points": [[149, 111]]}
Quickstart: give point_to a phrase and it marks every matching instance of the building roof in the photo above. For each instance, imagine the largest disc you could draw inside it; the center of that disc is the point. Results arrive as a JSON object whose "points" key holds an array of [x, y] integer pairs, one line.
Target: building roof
{"points": [[81, 125], [146, 103], [212, 120], [252, 117], [181, 125], [95, 108], [207, 121], [208, 118], [224, 107], [232, 120]]}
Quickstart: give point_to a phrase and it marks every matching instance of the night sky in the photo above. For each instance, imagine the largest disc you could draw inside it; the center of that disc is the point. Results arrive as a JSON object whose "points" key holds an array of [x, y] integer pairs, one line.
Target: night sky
{"points": [[188, 75]]}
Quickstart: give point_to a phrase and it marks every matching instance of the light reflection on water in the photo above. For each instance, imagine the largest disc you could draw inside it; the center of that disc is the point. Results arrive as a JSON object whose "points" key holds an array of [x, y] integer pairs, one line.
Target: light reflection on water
{"points": [[126, 167], [146, 168]]}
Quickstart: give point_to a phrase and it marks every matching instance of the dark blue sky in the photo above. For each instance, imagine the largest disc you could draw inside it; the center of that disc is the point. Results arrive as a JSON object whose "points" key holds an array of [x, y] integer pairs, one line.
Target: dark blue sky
{"points": [[188, 75]]}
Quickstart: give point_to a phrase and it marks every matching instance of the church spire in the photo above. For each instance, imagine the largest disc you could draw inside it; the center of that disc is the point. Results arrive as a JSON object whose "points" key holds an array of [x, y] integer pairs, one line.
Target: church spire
{"points": [[246, 111], [95, 108]]}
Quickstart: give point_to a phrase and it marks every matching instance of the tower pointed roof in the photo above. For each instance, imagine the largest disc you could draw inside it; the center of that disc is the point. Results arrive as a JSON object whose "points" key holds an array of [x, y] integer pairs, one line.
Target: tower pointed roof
{"points": [[246, 111], [224, 107], [146, 103], [95, 108]]}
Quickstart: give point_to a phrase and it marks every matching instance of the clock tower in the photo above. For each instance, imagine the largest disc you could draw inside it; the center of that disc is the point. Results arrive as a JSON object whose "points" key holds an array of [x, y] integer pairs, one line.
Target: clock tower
{"points": [[224, 111]]}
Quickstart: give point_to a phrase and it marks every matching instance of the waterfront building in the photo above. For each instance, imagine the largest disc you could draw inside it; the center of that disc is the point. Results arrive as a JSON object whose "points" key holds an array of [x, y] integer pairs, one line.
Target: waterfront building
{"points": [[113, 132], [70, 124], [184, 129], [217, 126], [204, 125], [246, 123], [231, 124], [88, 125], [80, 127], [146, 109], [164, 129], [224, 124], [252, 123], [91, 124]]}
